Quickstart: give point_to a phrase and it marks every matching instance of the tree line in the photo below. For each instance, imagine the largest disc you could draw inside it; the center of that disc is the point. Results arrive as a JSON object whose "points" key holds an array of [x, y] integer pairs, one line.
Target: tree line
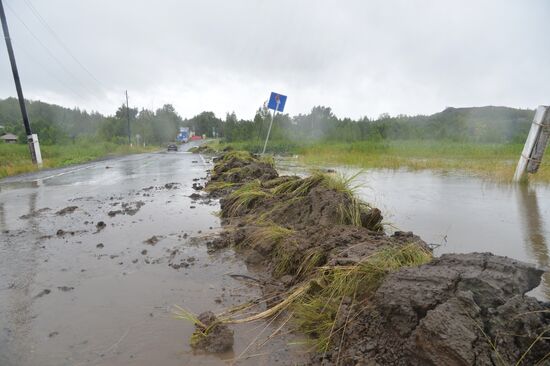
{"points": [[59, 125]]}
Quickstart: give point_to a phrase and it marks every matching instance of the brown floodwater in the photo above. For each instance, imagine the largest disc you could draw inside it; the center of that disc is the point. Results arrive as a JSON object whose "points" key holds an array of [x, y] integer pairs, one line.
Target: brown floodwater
{"points": [[71, 294], [460, 213]]}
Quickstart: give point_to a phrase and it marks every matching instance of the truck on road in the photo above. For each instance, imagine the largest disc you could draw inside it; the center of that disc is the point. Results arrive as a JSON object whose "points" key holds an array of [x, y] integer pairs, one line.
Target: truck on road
{"points": [[183, 135]]}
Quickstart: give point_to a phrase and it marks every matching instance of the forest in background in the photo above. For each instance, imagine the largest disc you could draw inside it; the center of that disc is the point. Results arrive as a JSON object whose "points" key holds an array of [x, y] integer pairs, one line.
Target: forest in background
{"points": [[59, 125]]}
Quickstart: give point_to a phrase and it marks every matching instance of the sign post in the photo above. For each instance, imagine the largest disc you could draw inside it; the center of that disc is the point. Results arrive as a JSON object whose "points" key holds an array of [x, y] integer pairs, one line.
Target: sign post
{"points": [[277, 103]]}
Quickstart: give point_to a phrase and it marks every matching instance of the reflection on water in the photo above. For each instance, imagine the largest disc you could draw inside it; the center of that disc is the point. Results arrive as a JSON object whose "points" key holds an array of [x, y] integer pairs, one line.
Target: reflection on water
{"points": [[533, 231], [461, 213]]}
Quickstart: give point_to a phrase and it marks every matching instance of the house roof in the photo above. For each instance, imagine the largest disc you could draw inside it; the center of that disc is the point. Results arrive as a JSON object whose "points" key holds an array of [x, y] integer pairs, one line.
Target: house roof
{"points": [[8, 136]]}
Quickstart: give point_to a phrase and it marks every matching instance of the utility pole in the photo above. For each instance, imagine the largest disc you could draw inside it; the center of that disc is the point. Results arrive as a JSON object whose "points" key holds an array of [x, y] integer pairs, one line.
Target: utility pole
{"points": [[535, 145], [128, 113], [32, 139]]}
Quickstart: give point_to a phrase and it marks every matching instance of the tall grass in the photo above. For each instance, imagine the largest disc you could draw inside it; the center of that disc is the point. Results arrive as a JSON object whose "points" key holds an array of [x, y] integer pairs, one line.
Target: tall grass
{"points": [[15, 158], [493, 161]]}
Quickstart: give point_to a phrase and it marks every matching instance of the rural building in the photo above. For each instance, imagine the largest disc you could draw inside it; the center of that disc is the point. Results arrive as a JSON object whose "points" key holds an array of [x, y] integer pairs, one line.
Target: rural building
{"points": [[9, 138]]}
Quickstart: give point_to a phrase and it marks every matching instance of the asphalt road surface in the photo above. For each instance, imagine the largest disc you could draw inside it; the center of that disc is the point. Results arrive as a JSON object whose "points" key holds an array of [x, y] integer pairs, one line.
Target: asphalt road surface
{"points": [[94, 257]]}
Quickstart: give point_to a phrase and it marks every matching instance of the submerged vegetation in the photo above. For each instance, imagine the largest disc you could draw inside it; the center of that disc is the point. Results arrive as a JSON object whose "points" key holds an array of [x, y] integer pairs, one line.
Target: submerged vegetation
{"points": [[494, 161]]}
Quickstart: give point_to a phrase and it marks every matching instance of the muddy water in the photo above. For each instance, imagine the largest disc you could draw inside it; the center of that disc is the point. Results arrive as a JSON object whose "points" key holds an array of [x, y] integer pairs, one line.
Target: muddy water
{"points": [[75, 294], [461, 213]]}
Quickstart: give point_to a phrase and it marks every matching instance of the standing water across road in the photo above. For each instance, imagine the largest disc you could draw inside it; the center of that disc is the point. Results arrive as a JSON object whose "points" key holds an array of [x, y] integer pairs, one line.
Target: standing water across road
{"points": [[460, 213], [93, 258]]}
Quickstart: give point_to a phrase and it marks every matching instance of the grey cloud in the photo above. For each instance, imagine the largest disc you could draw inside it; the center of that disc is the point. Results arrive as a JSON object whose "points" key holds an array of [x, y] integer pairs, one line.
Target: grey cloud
{"points": [[361, 58]]}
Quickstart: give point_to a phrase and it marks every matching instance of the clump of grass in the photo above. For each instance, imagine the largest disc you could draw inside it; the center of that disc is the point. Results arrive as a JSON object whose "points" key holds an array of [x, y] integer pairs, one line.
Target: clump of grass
{"points": [[216, 186], [298, 187], [341, 183], [317, 312], [244, 197], [313, 258], [269, 233], [201, 329], [269, 160], [283, 259], [237, 155], [350, 214], [301, 187]]}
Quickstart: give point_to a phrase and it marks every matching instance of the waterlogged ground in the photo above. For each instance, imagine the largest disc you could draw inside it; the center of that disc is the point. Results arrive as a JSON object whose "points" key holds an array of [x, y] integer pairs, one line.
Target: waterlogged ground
{"points": [[93, 258], [460, 213]]}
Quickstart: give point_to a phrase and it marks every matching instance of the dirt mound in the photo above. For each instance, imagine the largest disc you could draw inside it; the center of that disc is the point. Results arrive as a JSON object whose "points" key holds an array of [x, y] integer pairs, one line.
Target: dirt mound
{"points": [[460, 309], [234, 168], [366, 297], [202, 149], [297, 252], [211, 335], [317, 204]]}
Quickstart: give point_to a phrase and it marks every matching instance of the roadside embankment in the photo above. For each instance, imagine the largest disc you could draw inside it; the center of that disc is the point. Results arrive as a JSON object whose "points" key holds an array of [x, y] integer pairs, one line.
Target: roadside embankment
{"points": [[15, 158], [361, 296]]}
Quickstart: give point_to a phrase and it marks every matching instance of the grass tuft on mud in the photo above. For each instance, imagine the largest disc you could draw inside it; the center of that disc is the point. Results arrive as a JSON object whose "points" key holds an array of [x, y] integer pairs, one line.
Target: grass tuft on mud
{"points": [[337, 291], [271, 234], [244, 197]]}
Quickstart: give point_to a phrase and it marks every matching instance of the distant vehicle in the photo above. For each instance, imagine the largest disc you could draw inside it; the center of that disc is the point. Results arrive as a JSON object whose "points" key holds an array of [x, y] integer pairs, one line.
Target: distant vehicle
{"points": [[196, 137], [172, 147], [183, 136]]}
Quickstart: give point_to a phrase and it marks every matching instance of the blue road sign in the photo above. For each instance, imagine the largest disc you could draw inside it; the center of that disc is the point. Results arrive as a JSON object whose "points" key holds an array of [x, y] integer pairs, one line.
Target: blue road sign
{"points": [[273, 99]]}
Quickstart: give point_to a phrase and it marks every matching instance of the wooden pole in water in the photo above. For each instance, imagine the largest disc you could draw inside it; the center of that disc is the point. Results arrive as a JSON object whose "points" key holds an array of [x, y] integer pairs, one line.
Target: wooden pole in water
{"points": [[535, 145]]}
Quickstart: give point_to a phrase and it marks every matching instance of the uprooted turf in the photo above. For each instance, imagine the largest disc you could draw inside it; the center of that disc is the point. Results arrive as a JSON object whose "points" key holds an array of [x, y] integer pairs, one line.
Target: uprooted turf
{"points": [[336, 272]]}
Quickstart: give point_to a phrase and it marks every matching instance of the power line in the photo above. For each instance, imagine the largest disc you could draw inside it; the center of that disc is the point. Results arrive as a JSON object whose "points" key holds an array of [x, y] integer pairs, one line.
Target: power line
{"points": [[58, 39], [52, 75], [48, 50]]}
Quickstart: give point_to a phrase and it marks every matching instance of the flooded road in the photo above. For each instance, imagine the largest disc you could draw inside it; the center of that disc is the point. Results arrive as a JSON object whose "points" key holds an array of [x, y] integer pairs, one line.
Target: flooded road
{"points": [[461, 213], [93, 258]]}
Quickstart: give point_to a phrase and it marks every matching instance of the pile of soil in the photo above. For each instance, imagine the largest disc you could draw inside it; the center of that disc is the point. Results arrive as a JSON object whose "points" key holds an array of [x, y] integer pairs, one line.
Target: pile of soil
{"points": [[240, 167], [459, 309], [455, 310], [211, 335], [202, 149]]}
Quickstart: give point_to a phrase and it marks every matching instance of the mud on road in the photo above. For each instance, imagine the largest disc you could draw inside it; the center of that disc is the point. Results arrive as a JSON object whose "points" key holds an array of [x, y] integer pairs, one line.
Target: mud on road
{"points": [[93, 260], [364, 297]]}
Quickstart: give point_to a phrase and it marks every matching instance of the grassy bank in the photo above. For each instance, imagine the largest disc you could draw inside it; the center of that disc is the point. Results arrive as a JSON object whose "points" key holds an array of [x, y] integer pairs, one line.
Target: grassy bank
{"points": [[494, 161], [15, 158]]}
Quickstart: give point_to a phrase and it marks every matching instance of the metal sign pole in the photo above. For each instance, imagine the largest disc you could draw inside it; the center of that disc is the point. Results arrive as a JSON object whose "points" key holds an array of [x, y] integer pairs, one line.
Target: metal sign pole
{"points": [[270, 124]]}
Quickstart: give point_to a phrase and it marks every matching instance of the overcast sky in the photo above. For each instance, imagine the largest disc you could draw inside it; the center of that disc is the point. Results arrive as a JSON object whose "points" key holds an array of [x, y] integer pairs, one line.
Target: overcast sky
{"points": [[362, 58]]}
